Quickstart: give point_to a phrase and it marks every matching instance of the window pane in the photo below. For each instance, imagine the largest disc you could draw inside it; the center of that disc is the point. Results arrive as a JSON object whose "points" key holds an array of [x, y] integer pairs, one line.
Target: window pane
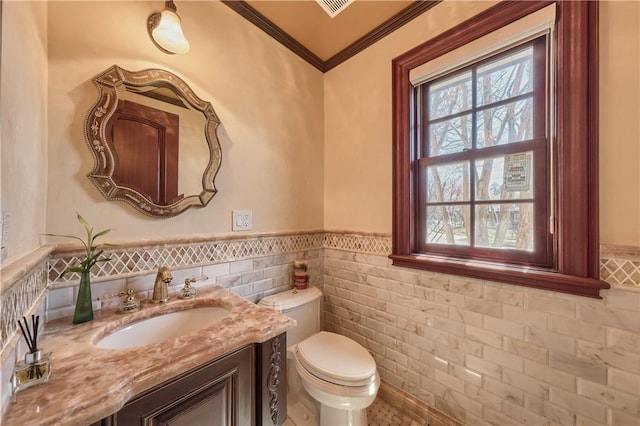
{"points": [[447, 137], [503, 79], [492, 172], [450, 96], [504, 226], [448, 225], [448, 183], [512, 122]]}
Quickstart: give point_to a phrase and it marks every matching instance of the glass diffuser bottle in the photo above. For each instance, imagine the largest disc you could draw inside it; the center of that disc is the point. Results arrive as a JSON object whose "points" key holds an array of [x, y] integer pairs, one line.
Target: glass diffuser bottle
{"points": [[36, 367]]}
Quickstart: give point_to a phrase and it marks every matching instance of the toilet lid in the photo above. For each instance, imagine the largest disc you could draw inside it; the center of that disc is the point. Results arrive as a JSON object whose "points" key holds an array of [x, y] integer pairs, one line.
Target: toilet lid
{"points": [[286, 300], [336, 359]]}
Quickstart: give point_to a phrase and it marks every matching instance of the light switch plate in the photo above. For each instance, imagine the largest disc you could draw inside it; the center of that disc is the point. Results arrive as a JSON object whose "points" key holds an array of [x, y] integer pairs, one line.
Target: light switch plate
{"points": [[242, 220]]}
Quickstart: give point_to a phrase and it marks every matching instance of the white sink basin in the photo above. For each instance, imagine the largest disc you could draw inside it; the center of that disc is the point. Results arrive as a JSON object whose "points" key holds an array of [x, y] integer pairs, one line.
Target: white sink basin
{"points": [[163, 327]]}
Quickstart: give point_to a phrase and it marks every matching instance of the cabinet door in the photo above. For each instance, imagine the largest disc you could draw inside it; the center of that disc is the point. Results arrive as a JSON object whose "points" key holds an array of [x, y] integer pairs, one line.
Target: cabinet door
{"points": [[271, 381], [216, 394]]}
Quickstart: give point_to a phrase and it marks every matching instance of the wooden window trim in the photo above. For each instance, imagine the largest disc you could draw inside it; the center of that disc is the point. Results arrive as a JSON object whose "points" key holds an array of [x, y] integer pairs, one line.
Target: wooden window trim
{"points": [[576, 250]]}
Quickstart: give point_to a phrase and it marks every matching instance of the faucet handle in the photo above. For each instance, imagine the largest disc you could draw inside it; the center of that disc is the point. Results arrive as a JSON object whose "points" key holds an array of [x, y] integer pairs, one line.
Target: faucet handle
{"points": [[187, 292], [129, 302]]}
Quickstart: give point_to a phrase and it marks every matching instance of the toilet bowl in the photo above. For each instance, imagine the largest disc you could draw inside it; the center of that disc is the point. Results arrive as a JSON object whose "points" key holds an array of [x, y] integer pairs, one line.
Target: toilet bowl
{"points": [[331, 379], [340, 375]]}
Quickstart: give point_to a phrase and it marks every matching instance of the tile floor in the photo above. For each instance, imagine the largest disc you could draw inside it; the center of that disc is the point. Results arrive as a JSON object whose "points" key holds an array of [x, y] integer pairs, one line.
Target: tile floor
{"points": [[381, 413]]}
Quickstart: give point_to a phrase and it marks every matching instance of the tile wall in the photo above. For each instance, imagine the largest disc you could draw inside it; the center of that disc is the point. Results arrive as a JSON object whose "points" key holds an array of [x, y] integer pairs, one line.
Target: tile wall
{"points": [[487, 353], [482, 352]]}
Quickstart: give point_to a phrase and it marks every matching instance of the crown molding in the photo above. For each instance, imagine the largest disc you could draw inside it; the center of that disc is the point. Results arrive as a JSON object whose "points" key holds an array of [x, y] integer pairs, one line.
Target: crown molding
{"points": [[261, 21], [382, 30], [390, 25]]}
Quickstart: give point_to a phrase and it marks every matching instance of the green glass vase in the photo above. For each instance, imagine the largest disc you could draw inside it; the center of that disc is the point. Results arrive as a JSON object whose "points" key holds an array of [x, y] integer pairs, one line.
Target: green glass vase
{"points": [[84, 309]]}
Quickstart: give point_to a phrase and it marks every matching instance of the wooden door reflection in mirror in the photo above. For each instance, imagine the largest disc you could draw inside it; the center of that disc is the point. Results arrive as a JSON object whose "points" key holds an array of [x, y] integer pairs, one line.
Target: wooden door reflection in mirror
{"points": [[145, 150]]}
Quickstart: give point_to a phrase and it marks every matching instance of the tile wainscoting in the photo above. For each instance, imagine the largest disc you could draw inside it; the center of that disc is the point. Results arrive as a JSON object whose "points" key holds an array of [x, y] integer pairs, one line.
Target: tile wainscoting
{"points": [[481, 352], [487, 353]]}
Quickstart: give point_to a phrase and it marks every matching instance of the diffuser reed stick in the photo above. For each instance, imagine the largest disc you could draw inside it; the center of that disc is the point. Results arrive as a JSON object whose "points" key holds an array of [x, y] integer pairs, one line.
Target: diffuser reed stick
{"points": [[31, 337]]}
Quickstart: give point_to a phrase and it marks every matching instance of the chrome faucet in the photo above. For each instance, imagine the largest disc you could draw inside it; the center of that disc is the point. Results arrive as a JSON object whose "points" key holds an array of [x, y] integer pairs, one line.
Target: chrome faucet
{"points": [[161, 287]]}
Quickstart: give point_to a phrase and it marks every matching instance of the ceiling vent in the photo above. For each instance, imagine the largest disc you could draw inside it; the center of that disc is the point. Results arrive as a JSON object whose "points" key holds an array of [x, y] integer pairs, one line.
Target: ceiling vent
{"points": [[333, 7]]}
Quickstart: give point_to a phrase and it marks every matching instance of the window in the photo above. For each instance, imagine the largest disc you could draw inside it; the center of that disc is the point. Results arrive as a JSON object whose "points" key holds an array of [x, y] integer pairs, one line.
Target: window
{"points": [[484, 186], [482, 160]]}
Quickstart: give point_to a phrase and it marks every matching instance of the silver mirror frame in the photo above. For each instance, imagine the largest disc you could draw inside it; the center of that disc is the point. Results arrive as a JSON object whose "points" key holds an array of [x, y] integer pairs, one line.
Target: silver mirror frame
{"points": [[95, 126]]}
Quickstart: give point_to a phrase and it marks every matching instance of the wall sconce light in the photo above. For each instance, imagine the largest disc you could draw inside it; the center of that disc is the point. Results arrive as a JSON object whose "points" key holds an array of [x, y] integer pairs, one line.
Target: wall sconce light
{"points": [[165, 30]]}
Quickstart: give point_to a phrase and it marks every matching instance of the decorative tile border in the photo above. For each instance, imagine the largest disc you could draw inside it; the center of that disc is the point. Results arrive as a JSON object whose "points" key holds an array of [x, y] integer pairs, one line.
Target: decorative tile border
{"points": [[142, 259], [19, 298], [379, 244], [619, 266]]}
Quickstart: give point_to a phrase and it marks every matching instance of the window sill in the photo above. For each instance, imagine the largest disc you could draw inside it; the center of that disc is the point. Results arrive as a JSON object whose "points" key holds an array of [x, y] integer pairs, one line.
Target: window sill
{"points": [[523, 276]]}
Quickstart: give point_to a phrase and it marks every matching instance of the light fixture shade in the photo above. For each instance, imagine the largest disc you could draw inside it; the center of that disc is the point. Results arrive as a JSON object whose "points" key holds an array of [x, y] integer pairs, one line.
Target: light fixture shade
{"points": [[166, 32]]}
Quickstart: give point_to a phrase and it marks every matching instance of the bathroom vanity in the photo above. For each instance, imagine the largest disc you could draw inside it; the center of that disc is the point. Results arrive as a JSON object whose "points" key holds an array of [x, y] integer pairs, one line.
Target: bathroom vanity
{"points": [[232, 390], [229, 373]]}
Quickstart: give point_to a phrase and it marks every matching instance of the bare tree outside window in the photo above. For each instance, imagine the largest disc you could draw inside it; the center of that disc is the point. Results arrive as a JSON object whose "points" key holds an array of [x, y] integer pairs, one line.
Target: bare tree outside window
{"points": [[467, 114]]}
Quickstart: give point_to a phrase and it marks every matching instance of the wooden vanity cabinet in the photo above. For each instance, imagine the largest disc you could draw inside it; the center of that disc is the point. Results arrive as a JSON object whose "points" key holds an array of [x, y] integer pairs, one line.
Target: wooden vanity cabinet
{"points": [[245, 387], [217, 393]]}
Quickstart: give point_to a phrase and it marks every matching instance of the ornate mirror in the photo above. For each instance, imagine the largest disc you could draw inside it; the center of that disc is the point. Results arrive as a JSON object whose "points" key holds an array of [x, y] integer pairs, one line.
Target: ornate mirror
{"points": [[154, 142]]}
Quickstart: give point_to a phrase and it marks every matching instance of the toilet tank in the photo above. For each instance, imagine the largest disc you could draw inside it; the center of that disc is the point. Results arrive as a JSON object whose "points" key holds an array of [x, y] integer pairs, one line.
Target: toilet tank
{"points": [[301, 305]]}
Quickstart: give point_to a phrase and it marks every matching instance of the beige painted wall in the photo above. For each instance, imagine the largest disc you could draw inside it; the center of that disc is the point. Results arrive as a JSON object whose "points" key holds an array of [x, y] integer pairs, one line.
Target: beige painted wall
{"points": [[274, 120], [620, 123], [23, 124], [358, 124], [269, 101], [357, 110]]}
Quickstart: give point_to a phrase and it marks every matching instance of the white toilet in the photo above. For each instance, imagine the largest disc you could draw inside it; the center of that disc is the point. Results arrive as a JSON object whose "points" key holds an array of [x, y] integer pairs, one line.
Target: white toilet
{"points": [[338, 376]]}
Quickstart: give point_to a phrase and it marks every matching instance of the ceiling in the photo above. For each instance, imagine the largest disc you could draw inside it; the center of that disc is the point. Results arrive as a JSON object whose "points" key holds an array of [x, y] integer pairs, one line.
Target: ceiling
{"points": [[309, 24], [305, 28]]}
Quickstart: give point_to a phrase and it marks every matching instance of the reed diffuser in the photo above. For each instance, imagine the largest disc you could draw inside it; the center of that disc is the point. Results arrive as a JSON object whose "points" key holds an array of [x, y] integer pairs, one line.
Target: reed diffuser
{"points": [[36, 367]]}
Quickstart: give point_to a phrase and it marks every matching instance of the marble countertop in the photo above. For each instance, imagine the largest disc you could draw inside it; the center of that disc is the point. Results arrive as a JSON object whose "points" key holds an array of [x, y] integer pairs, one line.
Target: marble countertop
{"points": [[88, 384]]}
